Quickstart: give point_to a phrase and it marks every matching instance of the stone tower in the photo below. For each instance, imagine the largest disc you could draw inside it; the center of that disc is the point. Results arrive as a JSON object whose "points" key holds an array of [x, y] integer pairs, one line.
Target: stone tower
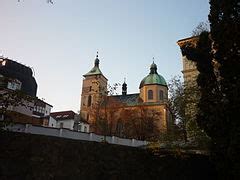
{"points": [[94, 86]]}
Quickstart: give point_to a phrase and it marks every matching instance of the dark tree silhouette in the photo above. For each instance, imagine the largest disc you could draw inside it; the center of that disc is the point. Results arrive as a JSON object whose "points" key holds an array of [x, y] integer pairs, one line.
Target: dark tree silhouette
{"points": [[217, 56], [224, 20]]}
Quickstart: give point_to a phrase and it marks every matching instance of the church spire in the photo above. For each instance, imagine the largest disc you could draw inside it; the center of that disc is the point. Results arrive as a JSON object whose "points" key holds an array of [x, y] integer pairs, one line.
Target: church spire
{"points": [[96, 62], [124, 87]]}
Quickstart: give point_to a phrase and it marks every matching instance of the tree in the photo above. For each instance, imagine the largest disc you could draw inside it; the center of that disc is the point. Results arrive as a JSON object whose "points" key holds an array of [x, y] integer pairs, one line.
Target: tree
{"points": [[140, 123], [183, 102], [218, 62], [201, 27], [225, 35], [103, 108], [9, 99], [177, 103]]}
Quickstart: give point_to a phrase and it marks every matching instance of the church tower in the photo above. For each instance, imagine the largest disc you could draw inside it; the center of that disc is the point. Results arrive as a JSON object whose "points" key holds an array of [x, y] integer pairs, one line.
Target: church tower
{"points": [[94, 86]]}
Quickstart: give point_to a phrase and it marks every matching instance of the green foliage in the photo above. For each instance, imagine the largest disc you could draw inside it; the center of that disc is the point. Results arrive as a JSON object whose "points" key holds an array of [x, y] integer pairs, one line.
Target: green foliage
{"points": [[183, 102]]}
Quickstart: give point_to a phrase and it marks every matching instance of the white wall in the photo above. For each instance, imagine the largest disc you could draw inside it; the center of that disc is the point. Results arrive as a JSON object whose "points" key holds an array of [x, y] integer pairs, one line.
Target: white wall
{"points": [[68, 124], [52, 122], [47, 110], [65, 133]]}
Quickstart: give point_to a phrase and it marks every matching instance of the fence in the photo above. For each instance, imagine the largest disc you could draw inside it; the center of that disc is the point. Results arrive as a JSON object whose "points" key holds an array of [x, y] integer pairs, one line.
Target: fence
{"points": [[66, 133]]}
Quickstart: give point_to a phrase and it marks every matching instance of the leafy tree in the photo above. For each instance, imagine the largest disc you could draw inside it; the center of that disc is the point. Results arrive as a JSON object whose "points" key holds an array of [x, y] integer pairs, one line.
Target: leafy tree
{"points": [[177, 104], [9, 99], [183, 102]]}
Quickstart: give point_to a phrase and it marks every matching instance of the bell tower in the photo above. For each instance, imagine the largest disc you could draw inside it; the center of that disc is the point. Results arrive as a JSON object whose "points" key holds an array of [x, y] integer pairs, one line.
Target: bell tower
{"points": [[94, 86]]}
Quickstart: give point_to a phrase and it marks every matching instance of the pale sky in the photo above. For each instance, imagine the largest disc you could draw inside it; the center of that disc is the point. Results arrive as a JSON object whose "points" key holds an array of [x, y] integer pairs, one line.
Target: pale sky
{"points": [[60, 41]]}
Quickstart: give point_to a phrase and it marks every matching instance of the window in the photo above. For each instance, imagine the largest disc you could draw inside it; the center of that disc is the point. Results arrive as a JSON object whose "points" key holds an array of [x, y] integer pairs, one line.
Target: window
{"points": [[89, 100], [150, 94], [90, 88], [161, 95], [85, 129]]}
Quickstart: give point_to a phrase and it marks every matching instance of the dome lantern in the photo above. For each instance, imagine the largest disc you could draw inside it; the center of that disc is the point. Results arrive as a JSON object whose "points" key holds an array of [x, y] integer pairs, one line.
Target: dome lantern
{"points": [[153, 77]]}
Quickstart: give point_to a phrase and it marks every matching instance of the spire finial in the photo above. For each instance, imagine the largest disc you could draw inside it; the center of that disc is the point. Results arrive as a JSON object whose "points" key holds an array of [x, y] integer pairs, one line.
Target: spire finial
{"points": [[96, 60], [124, 87], [153, 68]]}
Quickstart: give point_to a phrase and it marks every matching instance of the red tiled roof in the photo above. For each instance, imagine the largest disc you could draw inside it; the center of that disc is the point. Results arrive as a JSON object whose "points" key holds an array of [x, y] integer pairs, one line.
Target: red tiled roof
{"points": [[63, 115]]}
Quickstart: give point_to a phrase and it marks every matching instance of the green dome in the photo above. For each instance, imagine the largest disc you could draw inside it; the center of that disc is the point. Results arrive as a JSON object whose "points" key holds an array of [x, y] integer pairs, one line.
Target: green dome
{"points": [[153, 77]]}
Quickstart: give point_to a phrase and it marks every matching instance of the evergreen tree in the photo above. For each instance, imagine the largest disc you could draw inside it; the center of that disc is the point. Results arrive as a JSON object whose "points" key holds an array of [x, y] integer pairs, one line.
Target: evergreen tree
{"points": [[217, 56], [225, 34]]}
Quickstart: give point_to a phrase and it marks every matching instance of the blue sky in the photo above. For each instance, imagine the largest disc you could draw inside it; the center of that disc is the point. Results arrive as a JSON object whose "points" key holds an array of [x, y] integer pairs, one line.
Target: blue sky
{"points": [[60, 41]]}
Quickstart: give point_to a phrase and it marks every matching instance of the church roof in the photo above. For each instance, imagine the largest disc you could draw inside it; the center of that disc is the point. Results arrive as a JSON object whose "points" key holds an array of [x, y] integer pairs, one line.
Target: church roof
{"points": [[129, 99], [153, 77], [63, 115], [95, 70]]}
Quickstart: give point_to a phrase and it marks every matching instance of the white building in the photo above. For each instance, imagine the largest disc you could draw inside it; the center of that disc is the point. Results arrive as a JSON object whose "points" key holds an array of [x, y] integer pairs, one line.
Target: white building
{"points": [[67, 120]]}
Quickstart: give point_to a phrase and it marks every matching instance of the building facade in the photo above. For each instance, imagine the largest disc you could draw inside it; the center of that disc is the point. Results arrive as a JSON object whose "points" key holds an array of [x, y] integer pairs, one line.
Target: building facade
{"points": [[17, 82], [189, 71], [152, 100], [68, 120]]}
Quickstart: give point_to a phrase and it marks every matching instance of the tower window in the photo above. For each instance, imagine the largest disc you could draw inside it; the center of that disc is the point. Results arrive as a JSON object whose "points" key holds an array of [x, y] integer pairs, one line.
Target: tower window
{"points": [[161, 95], [150, 94], [89, 100]]}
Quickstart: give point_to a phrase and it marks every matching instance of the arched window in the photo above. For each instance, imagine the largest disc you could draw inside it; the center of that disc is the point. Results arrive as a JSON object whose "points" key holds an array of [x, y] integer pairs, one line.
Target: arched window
{"points": [[150, 94], [161, 95], [89, 100]]}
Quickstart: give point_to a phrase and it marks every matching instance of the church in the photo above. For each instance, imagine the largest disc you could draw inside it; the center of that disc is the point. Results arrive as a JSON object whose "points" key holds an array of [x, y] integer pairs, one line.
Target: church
{"points": [[149, 106]]}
